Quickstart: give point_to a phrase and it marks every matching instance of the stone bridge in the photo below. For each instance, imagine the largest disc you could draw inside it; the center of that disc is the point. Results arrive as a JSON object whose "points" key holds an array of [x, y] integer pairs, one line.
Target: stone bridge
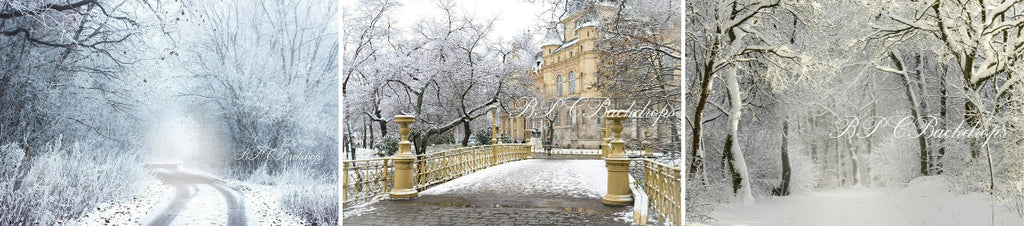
{"points": [[511, 184]]}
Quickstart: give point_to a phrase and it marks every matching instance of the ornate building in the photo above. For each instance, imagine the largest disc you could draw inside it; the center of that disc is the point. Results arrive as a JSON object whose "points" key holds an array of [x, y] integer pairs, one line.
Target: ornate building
{"points": [[566, 68]]}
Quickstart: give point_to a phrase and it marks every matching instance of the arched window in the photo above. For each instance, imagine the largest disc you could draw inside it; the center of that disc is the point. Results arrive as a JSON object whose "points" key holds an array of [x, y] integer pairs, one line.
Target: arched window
{"points": [[572, 82], [558, 82]]}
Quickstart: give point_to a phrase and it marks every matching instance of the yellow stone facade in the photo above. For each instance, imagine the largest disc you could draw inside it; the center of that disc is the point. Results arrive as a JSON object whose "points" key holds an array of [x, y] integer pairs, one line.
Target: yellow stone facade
{"points": [[567, 69]]}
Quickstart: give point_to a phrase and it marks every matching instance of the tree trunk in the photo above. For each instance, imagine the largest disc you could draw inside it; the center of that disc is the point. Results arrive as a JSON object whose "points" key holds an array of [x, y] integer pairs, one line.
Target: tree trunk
{"points": [[739, 165], [466, 131], [923, 111], [372, 140], [867, 169], [420, 143], [696, 153], [783, 189], [854, 161], [915, 111], [942, 124]]}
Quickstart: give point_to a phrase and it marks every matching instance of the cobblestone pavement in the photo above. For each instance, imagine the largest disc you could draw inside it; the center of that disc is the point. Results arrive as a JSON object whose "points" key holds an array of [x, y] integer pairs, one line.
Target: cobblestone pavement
{"points": [[531, 192], [455, 210]]}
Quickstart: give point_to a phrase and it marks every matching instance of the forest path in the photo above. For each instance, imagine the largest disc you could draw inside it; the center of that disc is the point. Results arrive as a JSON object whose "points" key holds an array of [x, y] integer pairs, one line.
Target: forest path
{"points": [[187, 185]]}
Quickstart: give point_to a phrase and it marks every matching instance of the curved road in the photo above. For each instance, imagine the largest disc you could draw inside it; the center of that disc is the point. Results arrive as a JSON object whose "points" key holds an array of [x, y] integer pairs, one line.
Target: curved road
{"points": [[186, 186]]}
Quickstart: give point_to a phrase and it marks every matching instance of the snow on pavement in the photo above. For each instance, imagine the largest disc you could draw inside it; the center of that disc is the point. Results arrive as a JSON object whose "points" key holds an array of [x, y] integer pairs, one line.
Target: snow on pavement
{"points": [[925, 201], [532, 177]]}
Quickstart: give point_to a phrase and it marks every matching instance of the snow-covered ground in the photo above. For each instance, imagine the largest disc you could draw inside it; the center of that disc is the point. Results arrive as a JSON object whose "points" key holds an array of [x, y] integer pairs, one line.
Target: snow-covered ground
{"points": [[924, 201], [207, 207], [131, 211], [262, 206], [575, 178], [361, 154]]}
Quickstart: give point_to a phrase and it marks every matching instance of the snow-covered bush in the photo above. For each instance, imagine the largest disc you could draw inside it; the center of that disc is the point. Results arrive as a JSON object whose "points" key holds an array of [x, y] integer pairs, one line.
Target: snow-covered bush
{"points": [[11, 159], [387, 146], [317, 204], [310, 194], [63, 181], [482, 136]]}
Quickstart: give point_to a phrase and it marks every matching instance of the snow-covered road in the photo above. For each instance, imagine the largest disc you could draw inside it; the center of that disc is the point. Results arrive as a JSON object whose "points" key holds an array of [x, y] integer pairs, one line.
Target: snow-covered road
{"points": [[183, 197], [209, 200], [924, 201]]}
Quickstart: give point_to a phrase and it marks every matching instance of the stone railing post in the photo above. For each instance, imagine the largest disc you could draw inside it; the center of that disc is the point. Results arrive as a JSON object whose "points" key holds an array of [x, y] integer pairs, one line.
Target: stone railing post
{"points": [[618, 164], [404, 160]]}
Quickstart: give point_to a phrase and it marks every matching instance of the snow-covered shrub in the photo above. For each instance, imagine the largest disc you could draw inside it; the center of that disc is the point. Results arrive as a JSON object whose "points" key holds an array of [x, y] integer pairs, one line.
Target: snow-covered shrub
{"points": [[307, 193], [11, 159], [65, 180], [895, 161], [482, 136], [387, 145], [317, 204]]}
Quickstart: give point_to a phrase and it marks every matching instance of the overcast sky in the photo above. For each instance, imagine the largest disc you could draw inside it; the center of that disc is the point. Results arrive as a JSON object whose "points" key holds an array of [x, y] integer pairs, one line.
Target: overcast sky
{"points": [[513, 16]]}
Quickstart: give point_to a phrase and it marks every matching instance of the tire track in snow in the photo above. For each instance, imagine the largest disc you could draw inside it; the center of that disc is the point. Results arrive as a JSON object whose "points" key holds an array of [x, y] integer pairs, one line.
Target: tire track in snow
{"points": [[184, 184], [183, 194], [236, 207]]}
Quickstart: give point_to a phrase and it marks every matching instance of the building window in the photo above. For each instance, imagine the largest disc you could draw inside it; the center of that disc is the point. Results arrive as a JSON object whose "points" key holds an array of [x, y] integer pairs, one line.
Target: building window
{"points": [[558, 82], [558, 120], [572, 83]]}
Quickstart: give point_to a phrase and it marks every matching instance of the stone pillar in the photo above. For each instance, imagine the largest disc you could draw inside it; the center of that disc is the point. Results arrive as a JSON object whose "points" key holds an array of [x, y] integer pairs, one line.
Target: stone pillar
{"points": [[404, 160], [618, 164]]}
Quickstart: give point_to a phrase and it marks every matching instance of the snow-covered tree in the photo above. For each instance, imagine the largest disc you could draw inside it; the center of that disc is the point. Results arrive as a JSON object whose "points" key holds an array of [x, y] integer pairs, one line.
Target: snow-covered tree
{"points": [[266, 102], [446, 71]]}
